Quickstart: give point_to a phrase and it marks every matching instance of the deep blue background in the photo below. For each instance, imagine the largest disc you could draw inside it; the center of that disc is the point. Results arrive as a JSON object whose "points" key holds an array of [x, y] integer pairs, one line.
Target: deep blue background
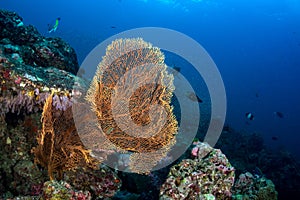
{"points": [[255, 44]]}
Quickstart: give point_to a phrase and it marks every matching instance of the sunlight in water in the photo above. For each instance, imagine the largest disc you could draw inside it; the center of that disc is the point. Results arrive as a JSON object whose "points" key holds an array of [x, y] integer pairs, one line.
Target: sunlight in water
{"points": [[294, 6], [181, 4]]}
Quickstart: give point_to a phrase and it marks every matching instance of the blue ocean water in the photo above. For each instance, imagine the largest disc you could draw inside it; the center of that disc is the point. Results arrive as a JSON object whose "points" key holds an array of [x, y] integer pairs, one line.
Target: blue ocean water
{"points": [[255, 45]]}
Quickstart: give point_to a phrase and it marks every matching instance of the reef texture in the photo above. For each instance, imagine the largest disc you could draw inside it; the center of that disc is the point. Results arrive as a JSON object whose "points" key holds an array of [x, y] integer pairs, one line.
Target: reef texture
{"points": [[209, 175], [22, 93], [83, 184], [101, 183], [130, 95], [27, 81], [18, 173], [254, 156], [24, 88], [34, 69], [253, 187], [55, 190], [25, 44]]}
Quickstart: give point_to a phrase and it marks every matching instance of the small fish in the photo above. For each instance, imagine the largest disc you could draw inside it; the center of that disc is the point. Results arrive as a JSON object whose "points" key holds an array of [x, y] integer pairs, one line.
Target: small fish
{"points": [[52, 28], [113, 27], [194, 97], [257, 172], [279, 114], [226, 128], [174, 70], [249, 116], [274, 138]]}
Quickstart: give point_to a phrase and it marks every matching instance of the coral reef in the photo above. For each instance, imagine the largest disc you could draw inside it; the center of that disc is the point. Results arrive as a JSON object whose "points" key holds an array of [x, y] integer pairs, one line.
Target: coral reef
{"points": [[133, 73], [101, 183], [34, 69], [55, 190], [208, 175], [24, 43], [252, 154], [252, 187], [24, 89], [19, 175], [59, 146]]}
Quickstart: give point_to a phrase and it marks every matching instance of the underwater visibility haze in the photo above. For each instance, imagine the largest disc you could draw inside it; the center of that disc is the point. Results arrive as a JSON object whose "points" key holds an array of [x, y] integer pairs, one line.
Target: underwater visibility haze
{"points": [[253, 48]]}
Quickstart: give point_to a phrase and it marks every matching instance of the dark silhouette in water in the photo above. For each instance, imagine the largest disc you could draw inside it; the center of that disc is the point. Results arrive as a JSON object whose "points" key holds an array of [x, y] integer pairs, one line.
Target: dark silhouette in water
{"points": [[174, 70], [274, 138], [279, 114], [194, 97]]}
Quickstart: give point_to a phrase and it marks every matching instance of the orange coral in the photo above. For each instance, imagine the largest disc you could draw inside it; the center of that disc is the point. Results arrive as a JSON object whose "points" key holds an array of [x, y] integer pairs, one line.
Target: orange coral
{"points": [[59, 146], [130, 95]]}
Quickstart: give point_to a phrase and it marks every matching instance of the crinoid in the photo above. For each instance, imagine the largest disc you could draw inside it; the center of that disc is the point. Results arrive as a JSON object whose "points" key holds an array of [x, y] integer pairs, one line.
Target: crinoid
{"points": [[130, 94], [59, 146]]}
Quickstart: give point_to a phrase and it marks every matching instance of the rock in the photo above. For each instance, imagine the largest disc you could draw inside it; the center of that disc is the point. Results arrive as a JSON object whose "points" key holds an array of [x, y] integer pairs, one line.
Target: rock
{"points": [[208, 176], [249, 186], [33, 48]]}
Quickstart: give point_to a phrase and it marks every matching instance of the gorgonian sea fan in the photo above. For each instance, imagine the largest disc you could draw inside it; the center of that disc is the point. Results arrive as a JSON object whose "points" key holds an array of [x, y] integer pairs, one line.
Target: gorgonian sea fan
{"points": [[131, 94]]}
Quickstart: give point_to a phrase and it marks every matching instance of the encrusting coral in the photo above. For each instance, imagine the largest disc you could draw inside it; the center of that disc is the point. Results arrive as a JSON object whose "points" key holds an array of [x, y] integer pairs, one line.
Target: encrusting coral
{"points": [[250, 186], [131, 81], [59, 146], [62, 190], [208, 176]]}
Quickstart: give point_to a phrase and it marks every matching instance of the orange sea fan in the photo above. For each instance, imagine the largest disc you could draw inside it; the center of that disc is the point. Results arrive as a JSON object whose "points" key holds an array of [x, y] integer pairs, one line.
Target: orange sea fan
{"points": [[131, 94], [59, 146]]}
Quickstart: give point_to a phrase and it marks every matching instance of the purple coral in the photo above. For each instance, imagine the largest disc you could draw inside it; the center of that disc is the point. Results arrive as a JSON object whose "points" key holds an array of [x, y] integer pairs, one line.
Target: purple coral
{"points": [[61, 102], [21, 101], [24, 102]]}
